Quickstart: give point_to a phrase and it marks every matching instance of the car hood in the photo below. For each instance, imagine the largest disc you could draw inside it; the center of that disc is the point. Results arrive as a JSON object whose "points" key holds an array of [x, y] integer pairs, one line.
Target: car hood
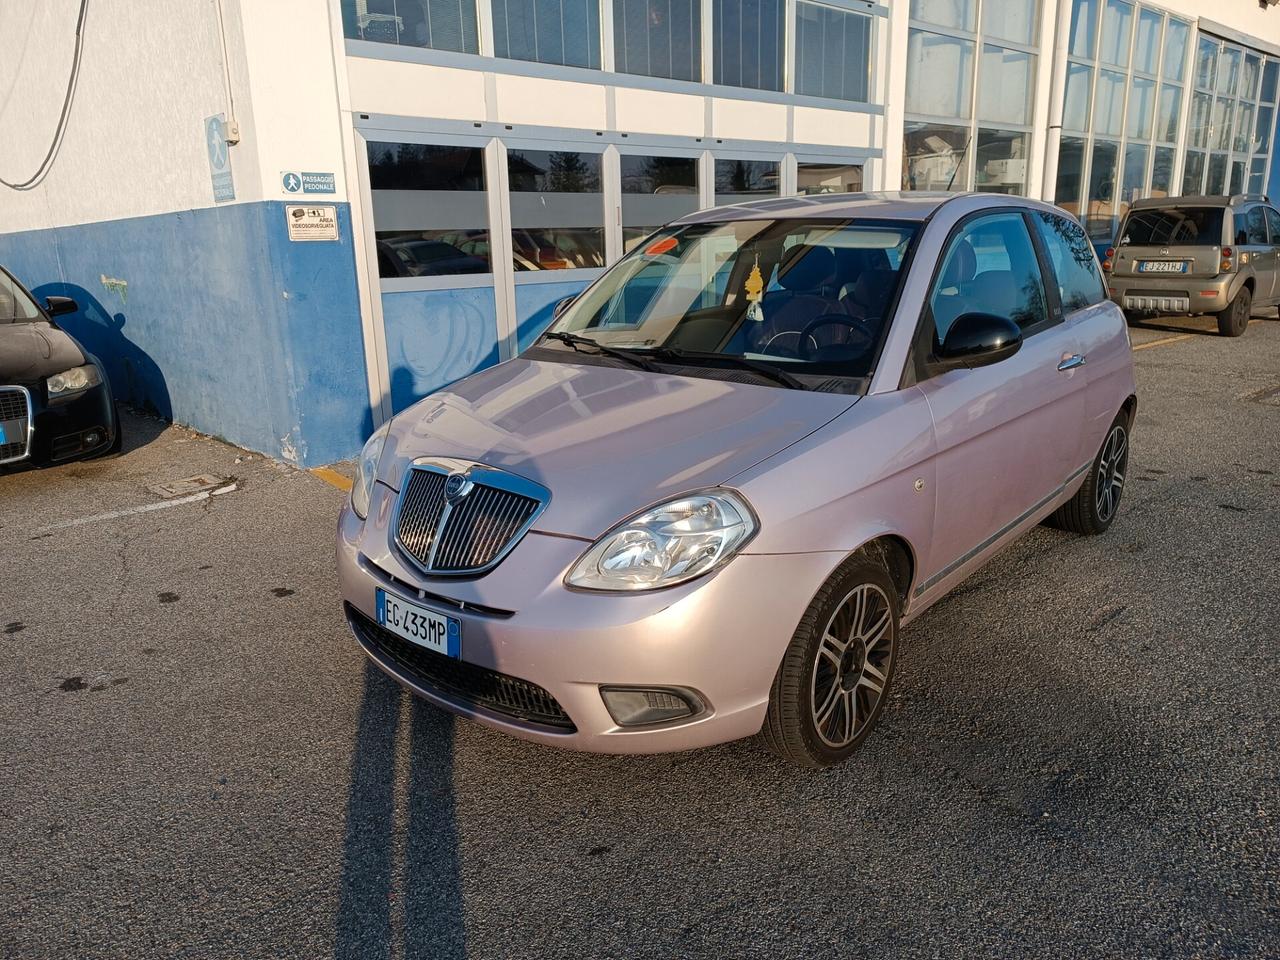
{"points": [[31, 351], [606, 441]]}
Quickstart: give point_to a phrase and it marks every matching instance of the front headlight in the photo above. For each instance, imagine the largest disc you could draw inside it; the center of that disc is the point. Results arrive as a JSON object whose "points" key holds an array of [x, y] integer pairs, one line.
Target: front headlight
{"points": [[73, 380], [667, 544], [367, 470]]}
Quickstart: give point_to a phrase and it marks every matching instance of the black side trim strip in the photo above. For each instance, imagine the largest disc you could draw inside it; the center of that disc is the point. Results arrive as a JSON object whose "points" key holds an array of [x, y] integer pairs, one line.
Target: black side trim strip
{"points": [[956, 564]]}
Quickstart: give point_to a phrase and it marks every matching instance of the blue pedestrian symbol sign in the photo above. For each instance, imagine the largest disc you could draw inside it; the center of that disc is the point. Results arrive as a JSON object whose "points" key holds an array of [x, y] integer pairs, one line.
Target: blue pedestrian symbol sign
{"points": [[215, 142], [292, 183]]}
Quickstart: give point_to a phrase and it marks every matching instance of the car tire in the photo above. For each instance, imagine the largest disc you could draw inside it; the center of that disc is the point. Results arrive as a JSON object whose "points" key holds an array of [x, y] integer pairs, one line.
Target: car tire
{"points": [[1093, 509], [1233, 321], [840, 659]]}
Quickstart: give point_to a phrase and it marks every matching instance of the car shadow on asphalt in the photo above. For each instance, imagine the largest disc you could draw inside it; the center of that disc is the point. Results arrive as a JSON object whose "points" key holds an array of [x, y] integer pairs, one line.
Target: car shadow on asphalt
{"points": [[400, 871]]}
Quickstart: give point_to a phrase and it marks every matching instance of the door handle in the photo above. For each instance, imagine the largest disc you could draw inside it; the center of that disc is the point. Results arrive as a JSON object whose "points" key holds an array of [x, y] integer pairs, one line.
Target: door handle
{"points": [[1071, 362]]}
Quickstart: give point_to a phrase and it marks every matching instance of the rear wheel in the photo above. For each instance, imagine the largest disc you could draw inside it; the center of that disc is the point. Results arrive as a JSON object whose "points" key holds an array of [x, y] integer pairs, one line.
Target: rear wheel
{"points": [[835, 677], [1095, 504], [1234, 320]]}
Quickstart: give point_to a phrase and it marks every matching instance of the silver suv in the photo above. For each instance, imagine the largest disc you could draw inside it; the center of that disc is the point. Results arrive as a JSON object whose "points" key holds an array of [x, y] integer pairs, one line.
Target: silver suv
{"points": [[1196, 255]]}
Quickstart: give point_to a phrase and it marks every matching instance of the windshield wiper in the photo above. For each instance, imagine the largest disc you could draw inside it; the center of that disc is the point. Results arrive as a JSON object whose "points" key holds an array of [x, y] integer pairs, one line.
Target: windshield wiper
{"points": [[743, 363], [626, 356]]}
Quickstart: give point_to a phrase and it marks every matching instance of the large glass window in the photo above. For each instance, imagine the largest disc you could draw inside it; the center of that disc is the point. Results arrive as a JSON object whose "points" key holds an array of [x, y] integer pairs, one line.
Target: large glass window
{"points": [[939, 74], [1206, 63], [1175, 50], [748, 43], [1134, 176], [1146, 42], [1010, 20], [1075, 109], [1201, 120], [1249, 77], [1108, 106], [1142, 102], [437, 24], [1217, 179], [1084, 28], [956, 14], [655, 190], [1244, 128], [1228, 71], [1005, 86], [740, 180], [833, 52], [557, 209], [1161, 172], [1071, 155], [430, 214], [1117, 24], [658, 38], [1001, 161], [1101, 210], [815, 178], [933, 156], [1193, 173], [1269, 76], [1074, 263], [1170, 107], [1262, 130], [566, 32]]}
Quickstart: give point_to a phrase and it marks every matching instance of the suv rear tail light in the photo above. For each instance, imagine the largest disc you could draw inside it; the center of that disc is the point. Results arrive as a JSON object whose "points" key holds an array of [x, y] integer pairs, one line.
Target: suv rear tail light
{"points": [[1106, 258], [1228, 264]]}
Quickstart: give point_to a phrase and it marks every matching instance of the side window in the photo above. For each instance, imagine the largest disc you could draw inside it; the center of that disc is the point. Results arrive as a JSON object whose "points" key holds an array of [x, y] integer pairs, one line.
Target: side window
{"points": [[1273, 221], [1255, 226], [1074, 263], [989, 267]]}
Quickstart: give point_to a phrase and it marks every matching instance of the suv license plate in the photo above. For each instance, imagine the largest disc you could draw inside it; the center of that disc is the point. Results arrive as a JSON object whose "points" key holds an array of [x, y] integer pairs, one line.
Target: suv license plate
{"points": [[1162, 266], [418, 625]]}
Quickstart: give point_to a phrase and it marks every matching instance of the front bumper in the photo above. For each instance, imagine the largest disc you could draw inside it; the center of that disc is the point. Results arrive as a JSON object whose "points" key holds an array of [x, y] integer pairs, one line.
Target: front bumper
{"points": [[721, 636], [1172, 294], [82, 425]]}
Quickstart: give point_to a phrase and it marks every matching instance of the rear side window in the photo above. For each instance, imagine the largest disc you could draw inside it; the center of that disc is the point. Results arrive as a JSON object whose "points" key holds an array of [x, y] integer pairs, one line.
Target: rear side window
{"points": [[1174, 227], [15, 305], [1273, 221], [1251, 227], [1079, 280]]}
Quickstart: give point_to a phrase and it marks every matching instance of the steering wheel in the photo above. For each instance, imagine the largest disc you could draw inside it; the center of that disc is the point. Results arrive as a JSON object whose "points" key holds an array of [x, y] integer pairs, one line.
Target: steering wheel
{"points": [[859, 327]]}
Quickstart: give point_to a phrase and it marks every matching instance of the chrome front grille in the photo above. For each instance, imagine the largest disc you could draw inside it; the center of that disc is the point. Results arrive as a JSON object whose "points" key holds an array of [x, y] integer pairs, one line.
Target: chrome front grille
{"points": [[15, 424], [474, 529]]}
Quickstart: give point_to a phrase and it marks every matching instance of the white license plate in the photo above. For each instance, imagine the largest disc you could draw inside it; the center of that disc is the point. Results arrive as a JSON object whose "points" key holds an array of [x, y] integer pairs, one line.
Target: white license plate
{"points": [[418, 625], [1162, 266]]}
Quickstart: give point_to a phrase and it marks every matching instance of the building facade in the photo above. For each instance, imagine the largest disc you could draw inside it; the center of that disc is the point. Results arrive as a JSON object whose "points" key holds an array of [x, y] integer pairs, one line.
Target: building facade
{"points": [[289, 221]]}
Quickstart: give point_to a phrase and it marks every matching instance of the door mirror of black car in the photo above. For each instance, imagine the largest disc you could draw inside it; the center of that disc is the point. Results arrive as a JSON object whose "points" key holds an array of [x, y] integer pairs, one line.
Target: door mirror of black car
{"points": [[978, 339], [60, 306], [561, 307]]}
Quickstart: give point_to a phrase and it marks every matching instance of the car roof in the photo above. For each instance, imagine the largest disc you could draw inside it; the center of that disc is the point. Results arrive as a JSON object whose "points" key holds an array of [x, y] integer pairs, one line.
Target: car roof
{"points": [[1199, 200], [891, 205]]}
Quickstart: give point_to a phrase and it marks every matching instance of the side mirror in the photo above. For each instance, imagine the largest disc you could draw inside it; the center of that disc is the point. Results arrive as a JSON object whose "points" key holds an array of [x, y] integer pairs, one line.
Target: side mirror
{"points": [[561, 307], [60, 306], [979, 339]]}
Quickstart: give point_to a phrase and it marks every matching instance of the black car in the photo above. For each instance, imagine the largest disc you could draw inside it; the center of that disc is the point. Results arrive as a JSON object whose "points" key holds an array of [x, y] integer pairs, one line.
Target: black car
{"points": [[55, 401]]}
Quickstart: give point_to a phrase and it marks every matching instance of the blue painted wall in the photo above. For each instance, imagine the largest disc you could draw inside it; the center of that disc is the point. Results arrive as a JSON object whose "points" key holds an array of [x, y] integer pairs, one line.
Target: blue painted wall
{"points": [[435, 337], [218, 322]]}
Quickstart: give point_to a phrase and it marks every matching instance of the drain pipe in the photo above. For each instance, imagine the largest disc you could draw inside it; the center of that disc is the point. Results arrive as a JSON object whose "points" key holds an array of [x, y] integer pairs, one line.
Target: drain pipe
{"points": [[231, 129], [1057, 92]]}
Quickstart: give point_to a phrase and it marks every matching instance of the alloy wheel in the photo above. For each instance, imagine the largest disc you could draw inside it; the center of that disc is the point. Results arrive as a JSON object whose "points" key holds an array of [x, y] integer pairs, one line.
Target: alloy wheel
{"points": [[1111, 472], [852, 665]]}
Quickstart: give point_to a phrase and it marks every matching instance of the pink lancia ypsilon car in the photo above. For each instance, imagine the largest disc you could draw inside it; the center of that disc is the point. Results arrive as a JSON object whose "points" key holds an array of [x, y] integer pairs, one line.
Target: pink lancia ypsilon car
{"points": [[705, 503]]}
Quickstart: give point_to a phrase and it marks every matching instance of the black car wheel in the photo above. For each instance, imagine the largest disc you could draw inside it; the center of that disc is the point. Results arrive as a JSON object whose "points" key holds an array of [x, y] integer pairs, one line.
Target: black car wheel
{"points": [[1233, 321], [836, 674], [1095, 504]]}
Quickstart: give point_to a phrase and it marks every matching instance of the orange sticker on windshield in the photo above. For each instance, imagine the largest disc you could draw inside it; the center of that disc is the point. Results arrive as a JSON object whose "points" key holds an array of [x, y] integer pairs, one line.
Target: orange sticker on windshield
{"points": [[659, 247]]}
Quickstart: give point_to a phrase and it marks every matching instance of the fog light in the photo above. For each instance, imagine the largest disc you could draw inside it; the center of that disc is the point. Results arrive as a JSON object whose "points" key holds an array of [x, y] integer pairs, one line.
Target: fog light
{"points": [[92, 438], [635, 706]]}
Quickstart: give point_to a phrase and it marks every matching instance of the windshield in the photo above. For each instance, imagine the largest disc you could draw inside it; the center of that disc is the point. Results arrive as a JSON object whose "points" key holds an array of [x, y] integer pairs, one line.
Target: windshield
{"points": [[1174, 227], [811, 298], [15, 305]]}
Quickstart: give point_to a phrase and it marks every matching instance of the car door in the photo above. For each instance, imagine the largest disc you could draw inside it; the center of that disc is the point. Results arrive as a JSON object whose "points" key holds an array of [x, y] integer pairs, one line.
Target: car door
{"points": [[1273, 230], [1255, 250], [1008, 434]]}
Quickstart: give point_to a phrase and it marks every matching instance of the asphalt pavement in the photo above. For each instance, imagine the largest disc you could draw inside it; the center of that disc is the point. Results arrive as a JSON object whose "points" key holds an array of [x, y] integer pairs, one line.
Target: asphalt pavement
{"points": [[1080, 758]]}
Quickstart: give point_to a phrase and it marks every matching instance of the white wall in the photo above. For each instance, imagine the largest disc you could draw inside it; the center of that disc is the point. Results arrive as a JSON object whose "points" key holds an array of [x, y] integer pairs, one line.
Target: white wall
{"points": [[151, 71]]}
